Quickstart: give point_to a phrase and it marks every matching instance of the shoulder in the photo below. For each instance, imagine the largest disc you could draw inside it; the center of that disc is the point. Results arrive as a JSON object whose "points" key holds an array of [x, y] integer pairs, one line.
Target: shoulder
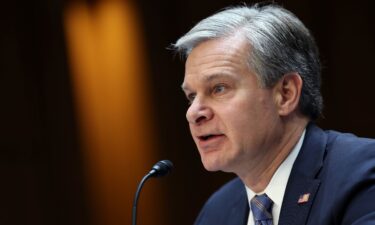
{"points": [[230, 193], [348, 176], [226, 205], [335, 147], [349, 149], [349, 159]]}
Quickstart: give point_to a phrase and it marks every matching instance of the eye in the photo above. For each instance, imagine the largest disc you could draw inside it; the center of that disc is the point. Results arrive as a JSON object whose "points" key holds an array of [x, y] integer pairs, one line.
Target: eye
{"points": [[219, 88], [191, 97]]}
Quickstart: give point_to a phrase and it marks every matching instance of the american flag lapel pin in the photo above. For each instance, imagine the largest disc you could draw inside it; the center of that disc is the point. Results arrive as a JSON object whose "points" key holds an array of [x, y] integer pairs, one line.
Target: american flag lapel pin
{"points": [[303, 198]]}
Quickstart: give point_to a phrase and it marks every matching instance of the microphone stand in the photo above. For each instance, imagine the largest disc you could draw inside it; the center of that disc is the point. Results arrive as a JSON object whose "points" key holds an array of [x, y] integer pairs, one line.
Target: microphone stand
{"points": [[161, 168], [134, 215]]}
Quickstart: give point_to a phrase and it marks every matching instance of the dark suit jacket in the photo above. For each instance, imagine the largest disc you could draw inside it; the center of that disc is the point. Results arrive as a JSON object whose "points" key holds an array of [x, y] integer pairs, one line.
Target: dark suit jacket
{"points": [[337, 171]]}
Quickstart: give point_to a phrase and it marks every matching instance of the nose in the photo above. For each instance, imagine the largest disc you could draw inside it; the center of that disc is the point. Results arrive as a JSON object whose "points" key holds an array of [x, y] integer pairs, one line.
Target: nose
{"points": [[198, 112]]}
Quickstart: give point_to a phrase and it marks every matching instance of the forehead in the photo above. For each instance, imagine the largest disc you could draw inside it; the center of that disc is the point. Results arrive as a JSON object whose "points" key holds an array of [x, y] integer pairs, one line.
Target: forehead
{"points": [[217, 58], [234, 49]]}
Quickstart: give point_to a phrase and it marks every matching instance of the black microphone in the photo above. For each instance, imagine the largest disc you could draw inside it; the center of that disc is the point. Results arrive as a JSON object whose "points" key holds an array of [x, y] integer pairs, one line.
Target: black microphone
{"points": [[160, 169]]}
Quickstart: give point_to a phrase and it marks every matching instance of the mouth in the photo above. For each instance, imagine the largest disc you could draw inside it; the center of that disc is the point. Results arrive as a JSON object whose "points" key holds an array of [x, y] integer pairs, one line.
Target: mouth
{"points": [[210, 142], [209, 137]]}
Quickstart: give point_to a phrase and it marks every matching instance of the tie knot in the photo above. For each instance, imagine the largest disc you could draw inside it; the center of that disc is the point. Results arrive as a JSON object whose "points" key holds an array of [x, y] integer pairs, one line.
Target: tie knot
{"points": [[261, 206]]}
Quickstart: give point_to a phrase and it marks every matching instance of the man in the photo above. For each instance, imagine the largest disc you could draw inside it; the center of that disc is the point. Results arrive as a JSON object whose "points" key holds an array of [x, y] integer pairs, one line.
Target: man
{"points": [[253, 81]]}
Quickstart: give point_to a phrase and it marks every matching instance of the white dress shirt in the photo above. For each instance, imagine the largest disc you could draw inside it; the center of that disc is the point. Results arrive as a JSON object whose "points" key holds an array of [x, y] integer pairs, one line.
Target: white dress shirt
{"points": [[276, 188]]}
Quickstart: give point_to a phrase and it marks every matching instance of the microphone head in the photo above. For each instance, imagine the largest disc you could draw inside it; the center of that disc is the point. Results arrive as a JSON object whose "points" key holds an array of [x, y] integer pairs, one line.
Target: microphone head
{"points": [[161, 168]]}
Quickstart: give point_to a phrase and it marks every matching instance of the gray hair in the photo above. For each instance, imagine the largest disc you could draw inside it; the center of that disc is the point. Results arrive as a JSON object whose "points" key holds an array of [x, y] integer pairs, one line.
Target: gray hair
{"points": [[280, 44]]}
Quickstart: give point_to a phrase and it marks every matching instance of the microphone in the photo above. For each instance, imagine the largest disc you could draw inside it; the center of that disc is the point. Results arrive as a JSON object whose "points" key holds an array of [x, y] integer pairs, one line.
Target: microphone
{"points": [[160, 169]]}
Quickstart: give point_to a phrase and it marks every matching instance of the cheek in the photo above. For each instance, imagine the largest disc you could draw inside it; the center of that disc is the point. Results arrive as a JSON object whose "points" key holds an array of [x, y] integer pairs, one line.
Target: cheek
{"points": [[238, 119], [245, 119]]}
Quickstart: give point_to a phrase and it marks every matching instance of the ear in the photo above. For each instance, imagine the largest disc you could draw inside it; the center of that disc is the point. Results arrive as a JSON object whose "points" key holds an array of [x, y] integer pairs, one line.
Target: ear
{"points": [[287, 92]]}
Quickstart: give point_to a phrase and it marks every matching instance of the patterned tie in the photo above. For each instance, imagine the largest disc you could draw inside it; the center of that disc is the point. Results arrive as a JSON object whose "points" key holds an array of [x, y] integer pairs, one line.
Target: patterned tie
{"points": [[261, 206]]}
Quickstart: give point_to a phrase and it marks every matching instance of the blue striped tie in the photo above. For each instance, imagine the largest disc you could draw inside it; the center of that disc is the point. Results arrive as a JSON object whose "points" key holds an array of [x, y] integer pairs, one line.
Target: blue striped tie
{"points": [[261, 206]]}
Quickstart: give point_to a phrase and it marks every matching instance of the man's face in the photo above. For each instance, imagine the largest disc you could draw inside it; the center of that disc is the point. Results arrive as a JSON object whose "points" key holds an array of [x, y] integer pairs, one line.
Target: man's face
{"points": [[232, 118]]}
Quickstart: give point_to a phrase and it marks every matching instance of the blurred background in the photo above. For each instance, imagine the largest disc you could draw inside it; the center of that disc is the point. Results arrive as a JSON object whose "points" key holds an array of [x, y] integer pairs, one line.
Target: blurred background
{"points": [[90, 100]]}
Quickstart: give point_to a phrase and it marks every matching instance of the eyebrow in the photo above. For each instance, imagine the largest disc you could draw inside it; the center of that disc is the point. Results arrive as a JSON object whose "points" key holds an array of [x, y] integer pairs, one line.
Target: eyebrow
{"points": [[208, 78]]}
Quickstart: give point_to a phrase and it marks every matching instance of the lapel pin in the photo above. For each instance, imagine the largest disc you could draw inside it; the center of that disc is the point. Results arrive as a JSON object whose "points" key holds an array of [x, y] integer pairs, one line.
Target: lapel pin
{"points": [[303, 198]]}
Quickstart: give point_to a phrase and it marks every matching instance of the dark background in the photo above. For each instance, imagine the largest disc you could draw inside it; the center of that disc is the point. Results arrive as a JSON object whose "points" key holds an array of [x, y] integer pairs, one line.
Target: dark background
{"points": [[42, 182]]}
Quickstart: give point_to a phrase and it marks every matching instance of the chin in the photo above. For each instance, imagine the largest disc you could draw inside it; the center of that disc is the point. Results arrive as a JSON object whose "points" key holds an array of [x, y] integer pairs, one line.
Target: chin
{"points": [[210, 168], [213, 165]]}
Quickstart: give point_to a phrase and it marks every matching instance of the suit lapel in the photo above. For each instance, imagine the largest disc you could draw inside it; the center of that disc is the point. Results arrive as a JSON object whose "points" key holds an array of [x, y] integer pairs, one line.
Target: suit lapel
{"points": [[294, 209], [240, 210], [303, 184]]}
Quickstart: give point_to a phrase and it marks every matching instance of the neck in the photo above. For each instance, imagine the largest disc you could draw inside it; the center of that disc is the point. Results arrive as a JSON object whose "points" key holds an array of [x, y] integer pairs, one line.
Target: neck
{"points": [[258, 175]]}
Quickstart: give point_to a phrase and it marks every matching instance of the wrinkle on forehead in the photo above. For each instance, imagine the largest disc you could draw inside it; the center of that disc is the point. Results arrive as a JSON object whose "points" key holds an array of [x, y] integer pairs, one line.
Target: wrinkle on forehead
{"points": [[209, 78], [232, 49]]}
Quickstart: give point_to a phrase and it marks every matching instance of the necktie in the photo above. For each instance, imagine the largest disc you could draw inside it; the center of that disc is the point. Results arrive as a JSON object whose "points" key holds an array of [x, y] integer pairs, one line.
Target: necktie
{"points": [[261, 206]]}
